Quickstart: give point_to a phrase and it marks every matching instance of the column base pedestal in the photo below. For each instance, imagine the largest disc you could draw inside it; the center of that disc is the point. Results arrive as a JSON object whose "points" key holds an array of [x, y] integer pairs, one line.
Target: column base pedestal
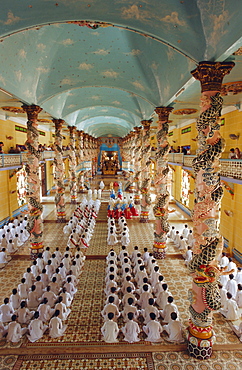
{"points": [[200, 348], [159, 253], [35, 249]]}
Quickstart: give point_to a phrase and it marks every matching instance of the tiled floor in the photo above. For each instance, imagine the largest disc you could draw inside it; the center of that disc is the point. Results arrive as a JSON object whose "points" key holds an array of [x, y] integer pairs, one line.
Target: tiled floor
{"points": [[71, 351]]}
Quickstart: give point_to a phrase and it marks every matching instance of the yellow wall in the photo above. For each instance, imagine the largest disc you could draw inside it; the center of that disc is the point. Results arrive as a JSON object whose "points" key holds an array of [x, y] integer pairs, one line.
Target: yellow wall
{"points": [[232, 125], [4, 195], [184, 139]]}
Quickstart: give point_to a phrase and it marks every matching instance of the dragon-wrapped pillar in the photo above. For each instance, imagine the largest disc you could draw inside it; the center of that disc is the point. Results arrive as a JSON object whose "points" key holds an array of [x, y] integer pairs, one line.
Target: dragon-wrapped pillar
{"points": [[35, 208], [205, 296], [59, 172], [162, 199], [72, 165], [137, 154], [145, 174]]}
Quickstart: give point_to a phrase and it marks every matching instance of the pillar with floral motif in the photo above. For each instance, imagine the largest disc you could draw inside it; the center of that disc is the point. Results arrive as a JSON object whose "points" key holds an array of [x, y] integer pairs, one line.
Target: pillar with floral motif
{"points": [[72, 165], [35, 208], [59, 172], [205, 296], [138, 158], [145, 172], [160, 181], [80, 139]]}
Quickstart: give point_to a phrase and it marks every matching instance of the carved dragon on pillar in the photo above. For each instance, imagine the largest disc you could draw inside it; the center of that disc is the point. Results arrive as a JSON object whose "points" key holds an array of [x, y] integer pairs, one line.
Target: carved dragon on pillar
{"points": [[204, 295], [145, 175], [72, 165], [161, 205]]}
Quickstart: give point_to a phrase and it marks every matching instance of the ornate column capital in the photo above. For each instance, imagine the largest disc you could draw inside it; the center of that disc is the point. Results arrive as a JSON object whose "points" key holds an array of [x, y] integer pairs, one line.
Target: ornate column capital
{"points": [[146, 123], [58, 123], [163, 113], [211, 74], [32, 111], [72, 129]]}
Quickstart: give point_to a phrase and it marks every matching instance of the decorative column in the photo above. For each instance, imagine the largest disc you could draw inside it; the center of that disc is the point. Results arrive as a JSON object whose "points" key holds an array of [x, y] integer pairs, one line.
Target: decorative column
{"points": [[162, 199], [59, 172], [81, 186], [145, 175], [35, 208], [72, 165], [138, 158], [205, 295]]}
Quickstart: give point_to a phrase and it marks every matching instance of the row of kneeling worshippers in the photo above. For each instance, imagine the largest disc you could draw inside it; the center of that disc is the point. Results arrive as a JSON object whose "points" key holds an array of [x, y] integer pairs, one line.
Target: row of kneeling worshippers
{"points": [[138, 297], [121, 231], [81, 225], [42, 299], [12, 235]]}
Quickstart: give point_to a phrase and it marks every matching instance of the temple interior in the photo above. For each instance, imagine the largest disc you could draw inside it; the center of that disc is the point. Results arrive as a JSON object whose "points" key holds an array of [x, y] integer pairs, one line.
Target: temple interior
{"points": [[137, 104]]}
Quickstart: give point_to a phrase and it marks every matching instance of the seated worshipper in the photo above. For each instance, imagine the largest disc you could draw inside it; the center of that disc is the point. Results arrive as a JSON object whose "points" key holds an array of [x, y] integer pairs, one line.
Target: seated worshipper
{"points": [[232, 266], [238, 330], [39, 286], [54, 286], [231, 286], [150, 308], [50, 269], [40, 262], [128, 295], [58, 255], [70, 287], [169, 308], [4, 242], [64, 311], [188, 255], [15, 332], [111, 271], [56, 328], [24, 315], [190, 239], [46, 255], [223, 295], [161, 299], [23, 289], [153, 329], [121, 253], [112, 238], [6, 311], [36, 328], [45, 311], [113, 293], [238, 297], [158, 286], [144, 297], [111, 283], [110, 329], [174, 329], [51, 297], [110, 307], [238, 277], [177, 239], [230, 310], [125, 239], [140, 275], [35, 269], [133, 255], [29, 277], [127, 283], [145, 254], [182, 244], [3, 330], [59, 278], [44, 278], [63, 271], [150, 265], [4, 258], [129, 307], [185, 232], [131, 329], [15, 299], [67, 298], [145, 282], [154, 276], [111, 263], [10, 247], [33, 298]]}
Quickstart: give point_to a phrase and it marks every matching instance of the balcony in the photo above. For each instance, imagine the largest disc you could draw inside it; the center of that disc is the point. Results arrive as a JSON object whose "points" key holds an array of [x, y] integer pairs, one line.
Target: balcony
{"points": [[230, 169]]}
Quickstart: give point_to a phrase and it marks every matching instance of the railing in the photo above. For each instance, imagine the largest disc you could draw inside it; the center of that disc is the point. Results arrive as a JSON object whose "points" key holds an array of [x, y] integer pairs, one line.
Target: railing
{"points": [[228, 167], [17, 159]]}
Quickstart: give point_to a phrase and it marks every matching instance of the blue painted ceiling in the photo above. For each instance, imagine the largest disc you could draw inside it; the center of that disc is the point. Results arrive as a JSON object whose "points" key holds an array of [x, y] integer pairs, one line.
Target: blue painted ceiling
{"points": [[104, 65]]}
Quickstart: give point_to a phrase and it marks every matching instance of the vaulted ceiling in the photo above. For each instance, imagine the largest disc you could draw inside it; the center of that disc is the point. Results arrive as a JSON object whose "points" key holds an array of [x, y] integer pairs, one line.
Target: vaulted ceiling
{"points": [[105, 65]]}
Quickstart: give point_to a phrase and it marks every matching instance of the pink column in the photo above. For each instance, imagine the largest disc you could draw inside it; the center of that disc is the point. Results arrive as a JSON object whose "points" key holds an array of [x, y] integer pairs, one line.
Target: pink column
{"points": [[72, 165], [162, 199], [35, 208], [205, 295], [59, 172]]}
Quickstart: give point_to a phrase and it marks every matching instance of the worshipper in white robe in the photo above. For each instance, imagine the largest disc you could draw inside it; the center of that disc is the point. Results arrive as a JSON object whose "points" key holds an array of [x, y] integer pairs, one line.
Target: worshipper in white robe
{"points": [[10, 247], [190, 239], [23, 289], [67, 298], [188, 255], [238, 330], [144, 297], [128, 295], [129, 307], [4, 242], [154, 276], [185, 232], [51, 297], [56, 328], [45, 311], [158, 286], [70, 287], [46, 255], [112, 238], [33, 298], [110, 329], [44, 278], [232, 266], [127, 283], [238, 297], [145, 255], [177, 239], [36, 328], [153, 329], [64, 311], [6, 311], [223, 261], [54, 286], [24, 315], [15, 332], [114, 294], [174, 329], [4, 258], [99, 194], [131, 329], [15, 299], [172, 234], [150, 308], [161, 299], [125, 239], [230, 310], [101, 185], [40, 262], [238, 277], [168, 309], [109, 285], [134, 253], [231, 286], [182, 244], [3, 330], [29, 277], [223, 295], [110, 307]]}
